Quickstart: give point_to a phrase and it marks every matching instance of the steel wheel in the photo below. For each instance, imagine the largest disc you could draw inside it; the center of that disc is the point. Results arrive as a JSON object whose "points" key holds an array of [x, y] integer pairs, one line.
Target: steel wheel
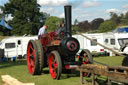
{"points": [[125, 61], [55, 65], [32, 58], [40, 54], [86, 58]]}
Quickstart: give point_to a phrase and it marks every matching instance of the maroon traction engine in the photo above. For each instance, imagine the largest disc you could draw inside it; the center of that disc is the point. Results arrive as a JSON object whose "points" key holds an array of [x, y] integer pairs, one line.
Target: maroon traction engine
{"points": [[56, 52]]}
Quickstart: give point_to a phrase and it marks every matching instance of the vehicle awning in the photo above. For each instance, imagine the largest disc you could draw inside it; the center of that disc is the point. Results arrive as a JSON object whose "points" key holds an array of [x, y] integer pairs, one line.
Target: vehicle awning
{"points": [[4, 24]]}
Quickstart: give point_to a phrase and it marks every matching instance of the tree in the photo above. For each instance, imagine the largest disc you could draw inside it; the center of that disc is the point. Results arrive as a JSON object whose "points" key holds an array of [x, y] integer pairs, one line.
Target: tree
{"points": [[53, 23], [1, 12], [115, 18], [43, 17], [96, 23], [107, 26], [126, 19], [122, 19], [84, 26], [26, 16], [74, 29], [75, 22]]}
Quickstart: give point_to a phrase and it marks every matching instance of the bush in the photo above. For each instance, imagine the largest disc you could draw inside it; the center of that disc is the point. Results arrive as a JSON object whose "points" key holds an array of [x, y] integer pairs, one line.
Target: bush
{"points": [[107, 26]]}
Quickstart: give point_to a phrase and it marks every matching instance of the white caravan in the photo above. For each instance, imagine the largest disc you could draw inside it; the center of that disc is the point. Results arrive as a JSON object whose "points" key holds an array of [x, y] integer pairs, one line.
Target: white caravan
{"points": [[107, 39], [15, 46]]}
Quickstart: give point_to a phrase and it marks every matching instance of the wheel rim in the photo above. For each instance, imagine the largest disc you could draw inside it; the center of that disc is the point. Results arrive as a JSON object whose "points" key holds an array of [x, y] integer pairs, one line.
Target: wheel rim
{"points": [[85, 61], [31, 58], [53, 66], [84, 58]]}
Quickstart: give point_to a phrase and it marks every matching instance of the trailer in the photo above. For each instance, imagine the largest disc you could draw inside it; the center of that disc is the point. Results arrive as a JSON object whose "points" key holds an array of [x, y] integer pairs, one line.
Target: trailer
{"points": [[15, 46], [113, 73]]}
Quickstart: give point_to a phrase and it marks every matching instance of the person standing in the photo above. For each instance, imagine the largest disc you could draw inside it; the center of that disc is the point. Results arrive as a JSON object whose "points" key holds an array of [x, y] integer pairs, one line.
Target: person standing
{"points": [[61, 31], [42, 31]]}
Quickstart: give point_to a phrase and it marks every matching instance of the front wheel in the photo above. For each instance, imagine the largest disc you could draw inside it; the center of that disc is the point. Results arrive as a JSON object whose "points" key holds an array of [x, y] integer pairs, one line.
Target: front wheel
{"points": [[86, 58], [55, 65]]}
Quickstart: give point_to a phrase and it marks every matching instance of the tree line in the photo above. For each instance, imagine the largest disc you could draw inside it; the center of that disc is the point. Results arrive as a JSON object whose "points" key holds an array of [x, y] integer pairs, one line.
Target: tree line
{"points": [[100, 25], [27, 19]]}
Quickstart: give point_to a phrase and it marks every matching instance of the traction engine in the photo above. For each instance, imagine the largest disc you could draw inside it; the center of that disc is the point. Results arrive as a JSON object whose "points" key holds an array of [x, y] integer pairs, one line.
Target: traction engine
{"points": [[58, 52]]}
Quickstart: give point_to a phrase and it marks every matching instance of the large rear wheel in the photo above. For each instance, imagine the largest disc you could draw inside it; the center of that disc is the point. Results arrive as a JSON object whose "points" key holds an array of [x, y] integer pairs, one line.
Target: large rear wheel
{"points": [[40, 54], [55, 65], [32, 58]]}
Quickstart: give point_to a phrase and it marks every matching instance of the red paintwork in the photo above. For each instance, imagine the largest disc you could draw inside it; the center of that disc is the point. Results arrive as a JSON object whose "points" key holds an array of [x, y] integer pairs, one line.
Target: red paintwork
{"points": [[85, 61], [30, 58], [47, 38], [72, 45], [67, 67], [53, 65]]}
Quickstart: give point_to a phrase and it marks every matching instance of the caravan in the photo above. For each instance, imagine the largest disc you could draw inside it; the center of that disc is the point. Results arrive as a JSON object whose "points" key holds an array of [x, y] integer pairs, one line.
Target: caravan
{"points": [[107, 39], [15, 46]]}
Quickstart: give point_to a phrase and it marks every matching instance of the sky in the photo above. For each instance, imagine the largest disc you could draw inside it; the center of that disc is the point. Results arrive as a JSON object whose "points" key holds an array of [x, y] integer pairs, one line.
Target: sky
{"points": [[82, 9]]}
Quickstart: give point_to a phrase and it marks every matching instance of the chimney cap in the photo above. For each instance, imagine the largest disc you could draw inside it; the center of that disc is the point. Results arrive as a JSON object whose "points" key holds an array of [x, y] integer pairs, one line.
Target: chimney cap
{"points": [[68, 5]]}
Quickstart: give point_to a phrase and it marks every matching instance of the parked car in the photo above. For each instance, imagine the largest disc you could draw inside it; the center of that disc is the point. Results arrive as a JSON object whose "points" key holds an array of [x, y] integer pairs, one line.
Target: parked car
{"points": [[123, 29], [121, 40]]}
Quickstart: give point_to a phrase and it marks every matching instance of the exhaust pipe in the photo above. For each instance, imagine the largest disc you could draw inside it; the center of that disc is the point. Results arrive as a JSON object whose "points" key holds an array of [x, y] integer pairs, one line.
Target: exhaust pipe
{"points": [[68, 21]]}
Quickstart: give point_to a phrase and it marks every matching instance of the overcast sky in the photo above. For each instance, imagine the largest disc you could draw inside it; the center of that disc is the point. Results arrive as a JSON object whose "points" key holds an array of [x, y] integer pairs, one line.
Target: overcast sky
{"points": [[83, 9]]}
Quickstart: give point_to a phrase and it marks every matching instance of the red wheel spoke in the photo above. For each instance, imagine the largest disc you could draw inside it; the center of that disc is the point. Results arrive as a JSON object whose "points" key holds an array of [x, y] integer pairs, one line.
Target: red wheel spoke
{"points": [[85, 58], [55, 65], [55, 73], [32, 63], [30, 46], [32, 68], [86, 61]]}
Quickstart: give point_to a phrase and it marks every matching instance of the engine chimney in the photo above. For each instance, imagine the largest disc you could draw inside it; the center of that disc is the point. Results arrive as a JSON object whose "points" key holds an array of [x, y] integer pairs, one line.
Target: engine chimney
{"points": [[68, 21]]}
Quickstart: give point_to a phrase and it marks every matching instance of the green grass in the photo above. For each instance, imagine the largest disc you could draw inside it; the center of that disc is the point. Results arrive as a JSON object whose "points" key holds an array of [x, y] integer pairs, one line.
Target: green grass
{"points": [[19, 70], [2, 37], [113, 61]]}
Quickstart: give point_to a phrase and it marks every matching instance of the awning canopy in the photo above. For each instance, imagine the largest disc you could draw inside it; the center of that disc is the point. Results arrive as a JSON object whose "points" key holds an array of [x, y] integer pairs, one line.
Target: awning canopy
{"points": [[4, 24]]}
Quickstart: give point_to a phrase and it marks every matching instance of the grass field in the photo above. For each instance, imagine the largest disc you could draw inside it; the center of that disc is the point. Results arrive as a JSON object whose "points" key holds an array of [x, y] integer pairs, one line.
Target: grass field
{"points": [[2, 37], [19, 70]]}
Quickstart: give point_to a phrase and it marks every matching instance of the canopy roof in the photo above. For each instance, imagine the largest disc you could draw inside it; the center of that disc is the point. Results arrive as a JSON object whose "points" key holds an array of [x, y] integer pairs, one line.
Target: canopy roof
{"points": [[4, 24]]}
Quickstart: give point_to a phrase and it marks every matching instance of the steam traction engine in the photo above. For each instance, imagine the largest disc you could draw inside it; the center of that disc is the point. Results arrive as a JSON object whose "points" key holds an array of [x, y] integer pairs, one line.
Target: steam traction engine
{"points": [[56, 51]]}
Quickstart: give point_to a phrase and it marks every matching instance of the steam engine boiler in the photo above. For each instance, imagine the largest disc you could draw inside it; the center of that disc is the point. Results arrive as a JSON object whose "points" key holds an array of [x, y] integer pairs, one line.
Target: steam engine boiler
{"points": [[56, 52]]}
